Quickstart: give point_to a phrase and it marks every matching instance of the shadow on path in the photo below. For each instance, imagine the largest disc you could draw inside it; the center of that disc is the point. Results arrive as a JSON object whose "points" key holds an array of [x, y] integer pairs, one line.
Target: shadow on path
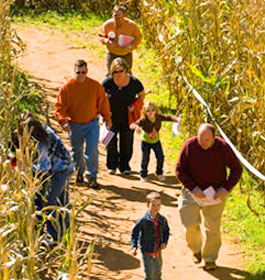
{"points": [[115, 259], [229, 273], [137, 194]]}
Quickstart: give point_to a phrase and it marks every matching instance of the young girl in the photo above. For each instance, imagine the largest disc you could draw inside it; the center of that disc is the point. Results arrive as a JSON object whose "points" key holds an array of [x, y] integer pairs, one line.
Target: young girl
{"points": [[151, 124]]}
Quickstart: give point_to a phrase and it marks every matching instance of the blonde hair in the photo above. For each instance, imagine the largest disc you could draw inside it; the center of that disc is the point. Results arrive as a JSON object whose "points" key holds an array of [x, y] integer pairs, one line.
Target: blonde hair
{"points": [[118, 62], [151, 196], [149, 104]]}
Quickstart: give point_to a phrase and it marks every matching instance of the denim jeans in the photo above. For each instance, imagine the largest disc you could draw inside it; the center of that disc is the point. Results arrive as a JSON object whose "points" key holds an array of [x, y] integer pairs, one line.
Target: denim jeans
{"points": [[88, 132], [152, 267], [146, 148], [120, 159], [58, 195]]}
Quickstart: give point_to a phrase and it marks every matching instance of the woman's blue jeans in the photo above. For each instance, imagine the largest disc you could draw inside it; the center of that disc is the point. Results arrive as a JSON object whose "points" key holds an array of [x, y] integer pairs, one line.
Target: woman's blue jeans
{"points": [[89, 133]]}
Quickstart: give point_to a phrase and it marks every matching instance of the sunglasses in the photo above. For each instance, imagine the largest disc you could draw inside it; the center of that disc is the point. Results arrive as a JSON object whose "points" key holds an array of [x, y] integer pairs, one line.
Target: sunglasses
{"points": [[116, 72], [80, 72], [150, 110]]}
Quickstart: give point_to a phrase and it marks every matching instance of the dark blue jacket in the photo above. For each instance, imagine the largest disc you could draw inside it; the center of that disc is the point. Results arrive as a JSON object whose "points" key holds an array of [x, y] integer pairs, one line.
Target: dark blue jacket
{"points": [[144, 231]]}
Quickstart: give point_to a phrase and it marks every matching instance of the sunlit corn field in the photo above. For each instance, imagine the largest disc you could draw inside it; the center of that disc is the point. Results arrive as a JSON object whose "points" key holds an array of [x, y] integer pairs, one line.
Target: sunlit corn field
{"points": [[217, 46]]}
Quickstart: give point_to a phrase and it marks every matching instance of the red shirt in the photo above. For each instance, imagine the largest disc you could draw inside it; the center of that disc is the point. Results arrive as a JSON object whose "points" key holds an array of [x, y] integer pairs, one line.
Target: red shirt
{"points": [[204, 168], [155, 254]]}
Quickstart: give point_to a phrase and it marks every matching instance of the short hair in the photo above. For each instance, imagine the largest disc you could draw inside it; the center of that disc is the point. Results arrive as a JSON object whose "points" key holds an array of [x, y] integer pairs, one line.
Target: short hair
{"points": [[119, 61], [80, 63], [151, 196], [117, 8], [207, 126]]}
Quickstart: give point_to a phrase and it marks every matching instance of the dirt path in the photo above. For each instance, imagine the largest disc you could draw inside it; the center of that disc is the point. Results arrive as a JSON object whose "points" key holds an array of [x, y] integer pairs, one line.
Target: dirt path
{"points": [[49, 58]]}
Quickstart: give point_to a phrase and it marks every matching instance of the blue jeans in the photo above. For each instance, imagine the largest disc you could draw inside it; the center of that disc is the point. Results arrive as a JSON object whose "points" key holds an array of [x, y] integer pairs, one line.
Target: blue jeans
{"points": [[58, 195], [152, 267], [88, 132], [146, 149]]}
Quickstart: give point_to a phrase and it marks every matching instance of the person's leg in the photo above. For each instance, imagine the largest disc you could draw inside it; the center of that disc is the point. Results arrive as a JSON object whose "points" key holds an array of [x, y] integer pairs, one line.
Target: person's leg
{"points": [[157, 147], [109, 58], [126, 148], [158, 267], [149, 267], [145, 158], [64, 201], [77, 142], [112, 151], [190, 217], [212, 219], [91, 150], [58, 195], [129, 59]]}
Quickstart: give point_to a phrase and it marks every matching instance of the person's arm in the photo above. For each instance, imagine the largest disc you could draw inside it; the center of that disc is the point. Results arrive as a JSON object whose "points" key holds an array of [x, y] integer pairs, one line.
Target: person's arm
{"points": [[102, 36], [182, 169], [61, 108], [137, 126], [135, 236], [170, 118], [104, 106], [165, 236], [137, 37], [235, 167]]}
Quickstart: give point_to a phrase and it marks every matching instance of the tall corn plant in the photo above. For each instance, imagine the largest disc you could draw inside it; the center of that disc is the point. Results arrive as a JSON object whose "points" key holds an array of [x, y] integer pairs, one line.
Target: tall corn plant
{"points": [[219, 47], [21, 254]]}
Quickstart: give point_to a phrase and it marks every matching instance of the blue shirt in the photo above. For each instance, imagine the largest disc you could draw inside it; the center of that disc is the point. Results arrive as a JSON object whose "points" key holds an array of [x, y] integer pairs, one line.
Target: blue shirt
{"points": [[52, 157]]}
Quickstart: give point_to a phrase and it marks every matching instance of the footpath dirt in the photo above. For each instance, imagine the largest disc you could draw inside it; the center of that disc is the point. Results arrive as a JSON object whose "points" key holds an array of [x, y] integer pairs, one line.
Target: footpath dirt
{"points": [[49, 57]]}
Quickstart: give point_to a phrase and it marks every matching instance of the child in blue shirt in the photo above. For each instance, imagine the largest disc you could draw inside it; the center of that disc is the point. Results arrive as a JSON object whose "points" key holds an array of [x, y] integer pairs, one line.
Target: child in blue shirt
{"points": [[152, 232]]}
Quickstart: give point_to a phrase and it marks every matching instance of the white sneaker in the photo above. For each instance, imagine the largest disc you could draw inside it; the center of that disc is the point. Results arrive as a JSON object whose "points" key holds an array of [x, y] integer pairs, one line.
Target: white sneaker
{"points": [[161, 177], [144, 179], [112, 171]]}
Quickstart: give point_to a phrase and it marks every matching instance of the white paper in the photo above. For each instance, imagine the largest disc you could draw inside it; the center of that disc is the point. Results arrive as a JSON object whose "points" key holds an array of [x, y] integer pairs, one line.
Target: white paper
{"points": [[175, 129], [105, 135], [125, 40], [208, 199]]}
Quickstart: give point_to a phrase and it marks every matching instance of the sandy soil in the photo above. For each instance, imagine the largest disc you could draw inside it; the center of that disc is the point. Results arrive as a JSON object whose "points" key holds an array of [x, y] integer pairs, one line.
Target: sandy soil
{"points": [[49, 58]]}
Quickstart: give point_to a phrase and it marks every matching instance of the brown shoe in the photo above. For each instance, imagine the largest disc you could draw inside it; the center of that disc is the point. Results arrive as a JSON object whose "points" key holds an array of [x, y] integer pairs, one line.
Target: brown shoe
{"points": [[197, 258], [210, 266]]}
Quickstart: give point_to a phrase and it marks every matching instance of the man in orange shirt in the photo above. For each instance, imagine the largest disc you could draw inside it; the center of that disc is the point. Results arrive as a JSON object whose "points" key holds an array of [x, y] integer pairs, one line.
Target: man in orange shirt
{"points": [[121, 36], [79, 103]]}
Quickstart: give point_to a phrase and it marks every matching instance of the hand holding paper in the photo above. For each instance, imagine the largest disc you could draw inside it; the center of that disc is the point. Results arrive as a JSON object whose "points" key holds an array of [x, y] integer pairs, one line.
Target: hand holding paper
{"points": [[208, 199]]}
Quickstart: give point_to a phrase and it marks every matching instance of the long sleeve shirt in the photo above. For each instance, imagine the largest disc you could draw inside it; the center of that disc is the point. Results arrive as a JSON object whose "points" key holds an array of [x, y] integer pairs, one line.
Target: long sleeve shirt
{"points": [[53, 157], [128, 28], [204, 168], [144, 232], [151, 128], [81, 102]]}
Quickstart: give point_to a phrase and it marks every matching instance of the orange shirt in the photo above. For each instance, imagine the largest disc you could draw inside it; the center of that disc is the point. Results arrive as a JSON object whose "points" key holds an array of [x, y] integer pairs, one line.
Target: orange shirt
{"points": [[128, 27], [81, 102]]}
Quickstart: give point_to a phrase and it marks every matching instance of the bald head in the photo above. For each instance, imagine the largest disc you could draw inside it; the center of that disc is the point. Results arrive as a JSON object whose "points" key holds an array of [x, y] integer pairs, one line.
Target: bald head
{"points": [[206, 134]]}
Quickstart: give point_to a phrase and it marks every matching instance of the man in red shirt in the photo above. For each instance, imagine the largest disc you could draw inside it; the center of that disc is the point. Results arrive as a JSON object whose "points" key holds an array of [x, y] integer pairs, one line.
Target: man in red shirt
{"points": [[203, 162]]}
